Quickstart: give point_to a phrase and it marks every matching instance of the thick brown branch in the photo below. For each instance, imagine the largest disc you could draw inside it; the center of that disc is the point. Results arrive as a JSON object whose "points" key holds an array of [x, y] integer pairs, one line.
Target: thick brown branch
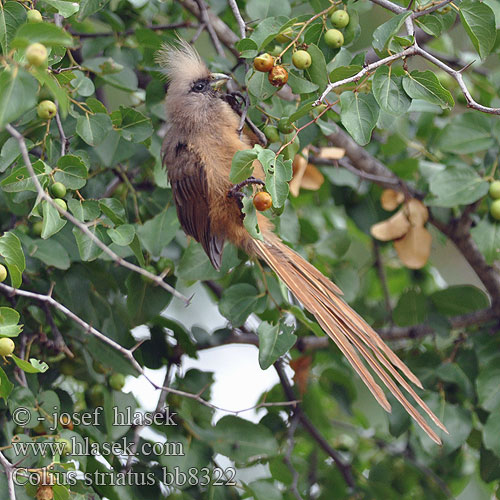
{"points": [[458, 233]]}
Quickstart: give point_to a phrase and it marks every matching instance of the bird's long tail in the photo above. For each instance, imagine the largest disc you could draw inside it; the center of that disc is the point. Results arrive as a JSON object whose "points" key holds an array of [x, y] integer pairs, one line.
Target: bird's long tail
{"points": [[353, 336]]}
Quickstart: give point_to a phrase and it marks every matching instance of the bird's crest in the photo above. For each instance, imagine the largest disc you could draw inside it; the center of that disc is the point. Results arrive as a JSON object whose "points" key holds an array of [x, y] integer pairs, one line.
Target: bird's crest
{"points": [[180, 61]]}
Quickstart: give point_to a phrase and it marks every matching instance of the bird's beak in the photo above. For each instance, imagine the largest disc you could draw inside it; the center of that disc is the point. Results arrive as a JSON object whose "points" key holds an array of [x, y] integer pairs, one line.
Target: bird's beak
{"points": [[218, 80]]}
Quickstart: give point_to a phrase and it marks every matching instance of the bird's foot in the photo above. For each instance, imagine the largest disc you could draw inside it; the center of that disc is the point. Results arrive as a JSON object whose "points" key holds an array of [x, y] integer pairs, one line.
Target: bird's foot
{"points": [[235, 191]]}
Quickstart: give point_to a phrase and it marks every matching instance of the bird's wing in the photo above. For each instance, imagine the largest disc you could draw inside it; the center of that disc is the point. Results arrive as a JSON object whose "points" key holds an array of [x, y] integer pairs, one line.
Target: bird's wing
{"points": [[188, 179]]}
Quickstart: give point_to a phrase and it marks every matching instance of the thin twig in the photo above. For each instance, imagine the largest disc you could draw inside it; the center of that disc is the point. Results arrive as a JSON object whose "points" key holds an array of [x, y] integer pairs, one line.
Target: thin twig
{"points": [[430, 10], [128, 354], [410, 51], [82, 227], [208, 25], [9, 472], [59, 340], [345, 469], [237, 16], [457, 74], [62, 135]]}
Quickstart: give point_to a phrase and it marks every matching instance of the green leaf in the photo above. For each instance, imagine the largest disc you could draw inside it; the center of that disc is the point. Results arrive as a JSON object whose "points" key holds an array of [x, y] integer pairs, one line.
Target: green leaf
{"points": [[52, 83], [93, 129], [456, 186], [195, 265], [344, 72], [135, 246], [52, 221], [274, 342], [388, 91], [478, 21], [302, 111], [459, 299], [11, 152], [113, 208], [250, 221], [122, 235], [71, 171], [383, 34], [491, 431], [20, 180], [66, 9], [411, 308], [488, 386], [9, 319], [134, 127], [467, 133], [425, 85], [278, 173], [431, 24], [265, 31], [82, 84], [248, 48], [159, 231], [260, 9], [46, 33], [359, 114], [258, 85], [34, 366], [85, 210], [238, 302], [88, 248], [241, 440], [89, 7], [6, 385], [317, 72], [117, 75], [312, 325], [11, 251], [300, 85], [12, 15], [18, 94], [50, 252], [242, 165], [487, 237], [143, 300]]}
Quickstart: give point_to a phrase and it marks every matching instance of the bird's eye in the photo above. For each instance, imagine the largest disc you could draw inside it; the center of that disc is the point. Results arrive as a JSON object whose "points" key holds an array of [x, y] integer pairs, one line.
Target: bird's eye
{"points": [[199, 87]]}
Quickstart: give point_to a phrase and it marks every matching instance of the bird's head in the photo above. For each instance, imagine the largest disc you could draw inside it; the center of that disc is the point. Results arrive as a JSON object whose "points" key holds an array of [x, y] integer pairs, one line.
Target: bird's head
{"points": [[193, 89]]}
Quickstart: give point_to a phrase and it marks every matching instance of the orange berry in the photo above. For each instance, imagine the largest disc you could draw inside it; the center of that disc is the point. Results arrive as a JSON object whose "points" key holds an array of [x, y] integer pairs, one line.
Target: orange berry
{"points": [[264, 62], [278, 76], [262, 201]]}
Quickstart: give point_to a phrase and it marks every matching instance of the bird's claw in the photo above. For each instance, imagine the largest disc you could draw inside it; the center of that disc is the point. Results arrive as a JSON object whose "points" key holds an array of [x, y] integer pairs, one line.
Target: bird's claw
{"points": [[235, 191]]}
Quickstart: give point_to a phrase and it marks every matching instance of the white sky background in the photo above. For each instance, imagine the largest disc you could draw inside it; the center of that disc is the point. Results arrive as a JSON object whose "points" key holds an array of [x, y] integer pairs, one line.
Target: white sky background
{"points": [[239, 380]]}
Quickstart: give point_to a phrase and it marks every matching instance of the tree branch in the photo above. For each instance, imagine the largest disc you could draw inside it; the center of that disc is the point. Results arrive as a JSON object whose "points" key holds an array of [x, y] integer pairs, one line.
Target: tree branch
{"points": [[205, 19], [82, 227], [128, 354], [9, 472], [224, 33], [458, 233], [345, 469], [237, 16]]}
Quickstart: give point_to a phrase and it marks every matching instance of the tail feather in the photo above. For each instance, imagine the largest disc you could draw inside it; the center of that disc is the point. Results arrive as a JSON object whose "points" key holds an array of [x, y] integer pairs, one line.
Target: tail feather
{"points": [[347, 329]]}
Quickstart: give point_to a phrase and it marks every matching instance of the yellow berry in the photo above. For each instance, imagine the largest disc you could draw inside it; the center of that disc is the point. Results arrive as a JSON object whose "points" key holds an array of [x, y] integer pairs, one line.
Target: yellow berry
{"points": [[7, 346], [36, 54]]}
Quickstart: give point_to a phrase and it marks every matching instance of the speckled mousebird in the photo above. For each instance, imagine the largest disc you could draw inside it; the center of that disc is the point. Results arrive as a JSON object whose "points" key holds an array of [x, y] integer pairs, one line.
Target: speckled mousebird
{"points": [[199, 145]]}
